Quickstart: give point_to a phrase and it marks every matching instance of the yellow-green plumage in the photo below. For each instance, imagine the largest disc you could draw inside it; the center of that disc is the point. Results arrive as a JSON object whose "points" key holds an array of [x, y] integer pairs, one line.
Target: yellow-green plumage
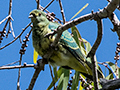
{"points": [[67, 54]]}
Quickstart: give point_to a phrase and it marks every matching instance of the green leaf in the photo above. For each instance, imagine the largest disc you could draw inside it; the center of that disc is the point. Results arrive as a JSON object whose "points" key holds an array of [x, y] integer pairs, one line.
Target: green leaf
{"points": [[119, 72], [78, 38], [75, 81], [114, 68], [60, 83], [64, 78], [76, 35], [35, 56], [87, 45], [110, 76], [62, 75]]}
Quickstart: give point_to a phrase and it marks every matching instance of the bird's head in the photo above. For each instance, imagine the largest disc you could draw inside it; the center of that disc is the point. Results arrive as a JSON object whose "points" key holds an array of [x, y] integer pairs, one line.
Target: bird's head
{"points": [[38, 16]]}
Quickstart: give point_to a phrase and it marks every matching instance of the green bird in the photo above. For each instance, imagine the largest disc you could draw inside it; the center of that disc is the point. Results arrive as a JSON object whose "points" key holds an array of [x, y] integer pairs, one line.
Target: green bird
{"points": [[67, 55]]}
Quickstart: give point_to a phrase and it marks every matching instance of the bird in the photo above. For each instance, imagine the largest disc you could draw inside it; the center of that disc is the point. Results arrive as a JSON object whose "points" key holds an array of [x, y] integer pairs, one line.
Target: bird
{"points": [[67, 53]]}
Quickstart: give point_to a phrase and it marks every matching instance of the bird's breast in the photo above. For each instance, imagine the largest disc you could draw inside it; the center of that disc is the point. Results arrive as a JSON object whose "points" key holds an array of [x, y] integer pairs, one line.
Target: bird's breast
{"points": [[40, 43]]}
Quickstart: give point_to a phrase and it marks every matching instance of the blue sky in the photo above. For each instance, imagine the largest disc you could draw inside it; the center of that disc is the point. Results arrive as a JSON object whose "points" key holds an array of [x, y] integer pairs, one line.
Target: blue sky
{"points": [[20, 13]]}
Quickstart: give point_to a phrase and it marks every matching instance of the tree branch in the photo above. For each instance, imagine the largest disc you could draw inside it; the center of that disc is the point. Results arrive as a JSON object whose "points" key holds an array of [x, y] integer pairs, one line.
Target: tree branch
{"points": [[39, 67], [91, 54], [109, 9], [38, 2], [5, 19], [99, 38], [16, 37], [108, 12]]}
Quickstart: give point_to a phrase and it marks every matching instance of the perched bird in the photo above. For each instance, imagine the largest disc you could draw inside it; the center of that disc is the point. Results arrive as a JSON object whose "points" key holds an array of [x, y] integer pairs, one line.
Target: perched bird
{"points": [[68, 55]]}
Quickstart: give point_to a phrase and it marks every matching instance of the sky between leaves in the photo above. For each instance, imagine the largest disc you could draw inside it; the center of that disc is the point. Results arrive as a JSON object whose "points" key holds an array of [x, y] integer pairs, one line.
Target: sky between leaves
{"points": [[20, 13]]}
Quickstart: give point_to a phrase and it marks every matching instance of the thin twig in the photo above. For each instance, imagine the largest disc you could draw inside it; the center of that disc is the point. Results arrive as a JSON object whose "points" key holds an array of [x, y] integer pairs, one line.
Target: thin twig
{"points": [[10, 63], [10, 12], [48, 5], [62, 12], [10, 7], [38, 3], [12, 30], [17, 66], [19, 73], [52, 75], [8, 30], [42, 8], [8, 20], [5, 19], [10, 23], [16, 37], [6, 25]]}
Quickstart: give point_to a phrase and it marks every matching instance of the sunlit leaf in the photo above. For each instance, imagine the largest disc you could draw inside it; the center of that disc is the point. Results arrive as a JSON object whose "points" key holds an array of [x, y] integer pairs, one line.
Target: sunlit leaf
{"points": [[35, 56], [81, 88], [79, 11]]}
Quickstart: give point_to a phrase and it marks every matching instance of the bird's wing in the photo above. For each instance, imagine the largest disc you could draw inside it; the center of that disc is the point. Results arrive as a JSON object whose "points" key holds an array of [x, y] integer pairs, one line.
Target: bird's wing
{"points": [[69, 43]]}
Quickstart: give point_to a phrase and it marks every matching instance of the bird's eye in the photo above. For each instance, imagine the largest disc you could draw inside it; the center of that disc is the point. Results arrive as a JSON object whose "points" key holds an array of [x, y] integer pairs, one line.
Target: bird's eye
{"points": [[39, 14]]}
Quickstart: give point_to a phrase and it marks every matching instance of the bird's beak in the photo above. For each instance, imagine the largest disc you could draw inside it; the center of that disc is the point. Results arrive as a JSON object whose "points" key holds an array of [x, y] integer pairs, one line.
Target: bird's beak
{"points": [[30, 16]]}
